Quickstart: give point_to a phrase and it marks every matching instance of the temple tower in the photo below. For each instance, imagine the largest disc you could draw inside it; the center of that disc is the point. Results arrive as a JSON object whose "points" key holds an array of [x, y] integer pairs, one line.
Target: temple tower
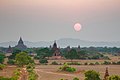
{"points": [[106, 74], [21, 45]]}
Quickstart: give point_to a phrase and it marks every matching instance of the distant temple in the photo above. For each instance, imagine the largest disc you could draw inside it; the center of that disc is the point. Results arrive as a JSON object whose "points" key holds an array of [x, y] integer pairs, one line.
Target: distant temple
{"points": [[9, 50], [21, 45], [106, 74], [78, 49], [56, 51]]}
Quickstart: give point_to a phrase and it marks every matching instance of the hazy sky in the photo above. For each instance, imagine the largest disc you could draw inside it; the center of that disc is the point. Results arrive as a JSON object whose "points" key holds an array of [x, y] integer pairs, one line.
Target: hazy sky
{"points": [[38, 20]]}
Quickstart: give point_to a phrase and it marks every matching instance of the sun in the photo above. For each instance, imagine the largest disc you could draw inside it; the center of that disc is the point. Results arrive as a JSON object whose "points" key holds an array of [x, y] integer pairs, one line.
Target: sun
{"points": [[77, 27]]}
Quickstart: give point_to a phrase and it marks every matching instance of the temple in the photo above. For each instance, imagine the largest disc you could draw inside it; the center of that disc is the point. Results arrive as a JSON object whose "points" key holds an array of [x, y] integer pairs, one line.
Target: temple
{"points": [[78, 49], [106, 74], [9, 50], [56, 51], [21, 45]]}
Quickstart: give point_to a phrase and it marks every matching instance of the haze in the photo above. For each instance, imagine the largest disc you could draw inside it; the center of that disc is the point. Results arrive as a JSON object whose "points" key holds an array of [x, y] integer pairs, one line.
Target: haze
{"points": [[46, 20]]}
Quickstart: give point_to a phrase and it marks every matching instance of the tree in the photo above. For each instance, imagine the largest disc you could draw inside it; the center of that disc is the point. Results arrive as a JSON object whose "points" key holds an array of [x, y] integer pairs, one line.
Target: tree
{"points": [[72, 54], [82, 54], [43, 52], [22, 59], [92, 75], [114, 77], [2, 56], [15, 52]]}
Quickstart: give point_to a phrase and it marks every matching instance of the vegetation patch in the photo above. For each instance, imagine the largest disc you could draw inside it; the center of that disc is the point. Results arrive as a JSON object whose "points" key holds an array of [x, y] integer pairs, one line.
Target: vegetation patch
{"points": [[43, 61], [74, 63], [67, 68], [54, 63]]}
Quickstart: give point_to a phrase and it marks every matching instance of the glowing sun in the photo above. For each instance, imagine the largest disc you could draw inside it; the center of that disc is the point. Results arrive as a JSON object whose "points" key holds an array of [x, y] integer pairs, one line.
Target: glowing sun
{"points": [[77, 27]]}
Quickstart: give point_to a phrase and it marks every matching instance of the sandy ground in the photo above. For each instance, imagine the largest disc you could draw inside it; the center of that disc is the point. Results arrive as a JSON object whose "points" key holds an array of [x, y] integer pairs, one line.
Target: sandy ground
{"points": [[50, 72], [8, 71]]}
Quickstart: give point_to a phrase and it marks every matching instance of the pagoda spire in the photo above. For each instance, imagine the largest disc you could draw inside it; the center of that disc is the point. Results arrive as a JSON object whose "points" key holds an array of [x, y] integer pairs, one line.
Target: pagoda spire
{"points": [[20, 41], [106, 74], [21, 45]]}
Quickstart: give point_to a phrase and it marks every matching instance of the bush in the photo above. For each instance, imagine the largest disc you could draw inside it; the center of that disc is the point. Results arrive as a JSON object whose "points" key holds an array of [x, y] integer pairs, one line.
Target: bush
{"points": [[86, 63], [67, 68], [16, 74], [92, 75], [54, 63], [32, 76], [114, 77], [97, 63], [70, 69], [91, 64], [30, 67], [118, 63], [107, 63], [106, 58], [43, 61], [2, 66], [11, 62], [63, 68], [74, 63], [114, 63], [76, 78]]}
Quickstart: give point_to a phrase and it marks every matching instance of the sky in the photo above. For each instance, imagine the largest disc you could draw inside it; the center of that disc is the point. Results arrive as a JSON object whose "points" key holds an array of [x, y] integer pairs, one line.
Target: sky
{"points": [[49, 20]]}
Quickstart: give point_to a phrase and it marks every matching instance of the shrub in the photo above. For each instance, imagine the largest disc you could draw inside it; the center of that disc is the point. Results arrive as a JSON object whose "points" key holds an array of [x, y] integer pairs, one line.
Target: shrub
{"points": [[114, 77], [2, 66], [106, 58], [97, 63], [43, 61], [76, 78], [74, 63], [32, 76], [16, 74], [118, 63], [63, 68], [92, 75], [54, 63], [30, 67], [86, 63], [114, 63], [107, 63], [67, 68], [70, 69], [11, 62], [91, 64]]}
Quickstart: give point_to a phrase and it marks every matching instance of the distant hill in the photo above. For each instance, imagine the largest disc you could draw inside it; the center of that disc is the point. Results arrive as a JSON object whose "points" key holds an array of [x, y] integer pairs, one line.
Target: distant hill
{"points": [[64, 42]]}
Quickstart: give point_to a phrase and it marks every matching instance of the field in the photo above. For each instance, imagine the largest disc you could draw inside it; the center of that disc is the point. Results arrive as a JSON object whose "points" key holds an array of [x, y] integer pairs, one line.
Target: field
{"points": [[50, 72], [8, 71]]}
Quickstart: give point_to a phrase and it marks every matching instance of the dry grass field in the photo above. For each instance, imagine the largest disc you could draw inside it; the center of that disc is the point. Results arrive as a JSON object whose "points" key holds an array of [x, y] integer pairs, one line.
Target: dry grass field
{"points": [[8, 71], [50, 72]]}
